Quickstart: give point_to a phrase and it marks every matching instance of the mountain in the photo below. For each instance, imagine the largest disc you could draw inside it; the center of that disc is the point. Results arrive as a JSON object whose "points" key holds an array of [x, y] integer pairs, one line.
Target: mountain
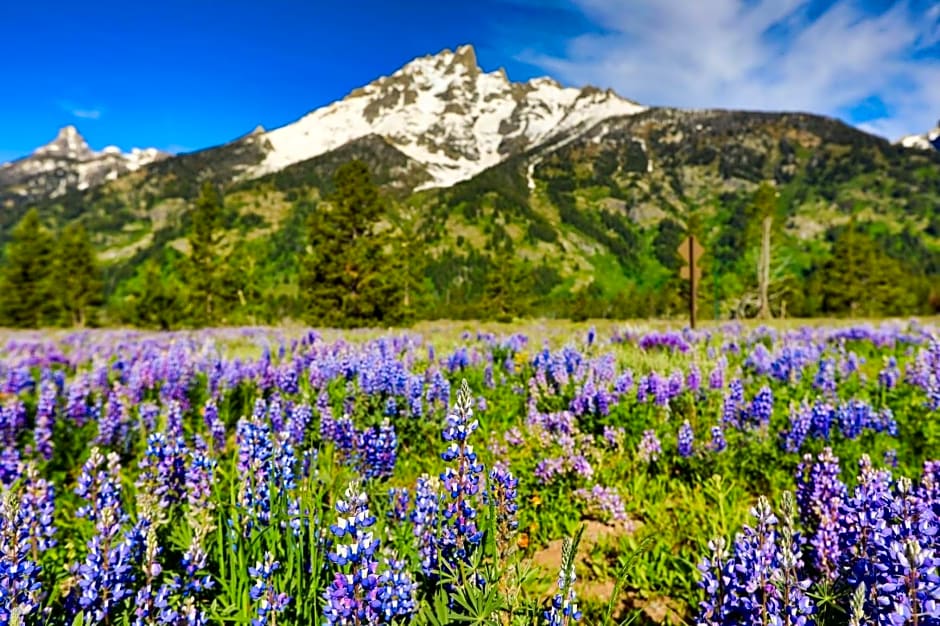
{"points": [[581, 192], [927, 141], [65, 164], [446, 114]]}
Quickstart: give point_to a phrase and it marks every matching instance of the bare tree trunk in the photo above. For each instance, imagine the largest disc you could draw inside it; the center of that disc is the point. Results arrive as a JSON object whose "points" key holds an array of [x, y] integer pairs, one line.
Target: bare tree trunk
{"points": [[763, 271]]}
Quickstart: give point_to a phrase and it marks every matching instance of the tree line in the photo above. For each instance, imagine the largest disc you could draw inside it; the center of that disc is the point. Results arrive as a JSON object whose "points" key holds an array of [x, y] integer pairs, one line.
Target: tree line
{"points": [[357, 263]]}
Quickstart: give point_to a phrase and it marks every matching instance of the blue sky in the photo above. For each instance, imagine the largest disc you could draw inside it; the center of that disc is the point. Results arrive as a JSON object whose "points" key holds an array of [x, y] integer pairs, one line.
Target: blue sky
{"points": [[182, 75]]}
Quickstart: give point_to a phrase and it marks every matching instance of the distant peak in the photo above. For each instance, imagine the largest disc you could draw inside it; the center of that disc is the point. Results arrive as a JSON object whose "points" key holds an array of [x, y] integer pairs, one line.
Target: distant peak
{"points": [[68, 141]]}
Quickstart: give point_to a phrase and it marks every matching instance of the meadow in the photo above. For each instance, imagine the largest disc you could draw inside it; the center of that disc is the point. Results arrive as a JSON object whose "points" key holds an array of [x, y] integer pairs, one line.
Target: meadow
{"points": [[540, 474]]}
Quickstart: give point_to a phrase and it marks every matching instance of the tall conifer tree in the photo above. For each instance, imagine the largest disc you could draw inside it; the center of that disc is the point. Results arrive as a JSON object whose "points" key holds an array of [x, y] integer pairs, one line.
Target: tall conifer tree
{"points": [[25, 289], [347, 277], [205, 265], [78, 280]]}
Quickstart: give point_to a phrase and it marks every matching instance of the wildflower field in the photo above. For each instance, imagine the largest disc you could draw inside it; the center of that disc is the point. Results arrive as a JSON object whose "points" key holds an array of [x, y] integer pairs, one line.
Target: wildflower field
{"points": [[733, 475]]}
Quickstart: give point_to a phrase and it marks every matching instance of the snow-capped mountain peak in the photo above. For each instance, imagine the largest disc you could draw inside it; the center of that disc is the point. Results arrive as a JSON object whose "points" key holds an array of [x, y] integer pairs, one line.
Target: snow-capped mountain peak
{"points": [[927, 141], [446, 113], [68, 143], [67, 162]]}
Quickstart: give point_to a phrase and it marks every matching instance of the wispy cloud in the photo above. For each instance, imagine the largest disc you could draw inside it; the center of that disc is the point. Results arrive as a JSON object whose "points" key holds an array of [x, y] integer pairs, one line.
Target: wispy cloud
{"points": [[81, 112], [764, 54], [87, 114]]}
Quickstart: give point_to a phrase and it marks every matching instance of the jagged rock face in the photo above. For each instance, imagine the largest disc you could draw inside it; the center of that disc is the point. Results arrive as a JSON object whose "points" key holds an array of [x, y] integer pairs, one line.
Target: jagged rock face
{"points": [[448, 115], [65, 164]]}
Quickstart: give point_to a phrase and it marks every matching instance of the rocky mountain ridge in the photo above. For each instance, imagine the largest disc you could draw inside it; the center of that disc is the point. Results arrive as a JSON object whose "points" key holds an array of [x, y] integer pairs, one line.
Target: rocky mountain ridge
{"points": [[67, 163]]}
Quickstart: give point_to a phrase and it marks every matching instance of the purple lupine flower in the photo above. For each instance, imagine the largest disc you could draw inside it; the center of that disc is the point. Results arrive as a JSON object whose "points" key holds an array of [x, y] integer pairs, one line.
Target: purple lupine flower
{"points": [[693, 380], [20, 588], [45, 418], [459, 534], [795, 605], [268, 602], [113, 424], [801, 422], [819, 495], [685, 439], [148, 413], [717, 572], [378, 450], [614, 436], [396, 591], [214, 424], [825, 381], [649, 448], [733, 404], [740, 586], [889, 376], [37, 506], [891, 458], [424, 520], [603, 502], [163, 471], [254, 467], [718, 442], [716, 378], [399, 499], [76, 405], [105, 577], [761, 407], [624, 383], [548, 468], [358, 595]]}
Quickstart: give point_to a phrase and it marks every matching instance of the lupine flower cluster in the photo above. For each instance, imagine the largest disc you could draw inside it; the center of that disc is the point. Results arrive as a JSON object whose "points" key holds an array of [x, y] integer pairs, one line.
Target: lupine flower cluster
{"points": [[151, 478], [459, 533], [358, 594], [877, 543]]}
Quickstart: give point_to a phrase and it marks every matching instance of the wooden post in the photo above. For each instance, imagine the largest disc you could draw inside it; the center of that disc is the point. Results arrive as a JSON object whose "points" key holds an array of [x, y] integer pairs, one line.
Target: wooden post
{"points": [[691, 251], [692, 283]]}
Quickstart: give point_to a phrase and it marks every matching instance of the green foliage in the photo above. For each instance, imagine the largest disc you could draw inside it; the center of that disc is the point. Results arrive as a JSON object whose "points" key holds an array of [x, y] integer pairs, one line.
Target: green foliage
{"points": [[345, 279], [205, 266], [78, 281], [860, 279], [26, 282], [155, 298]]}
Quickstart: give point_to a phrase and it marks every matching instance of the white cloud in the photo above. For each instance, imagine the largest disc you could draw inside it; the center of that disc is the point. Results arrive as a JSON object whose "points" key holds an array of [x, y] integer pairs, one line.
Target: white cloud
{"points": [[760, 54], [87, 114], [81, 112]]}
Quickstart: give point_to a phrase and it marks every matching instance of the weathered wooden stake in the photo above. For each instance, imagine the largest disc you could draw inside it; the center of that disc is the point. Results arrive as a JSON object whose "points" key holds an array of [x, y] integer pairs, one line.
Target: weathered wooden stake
{"points": [[693, 283], [691, 251]]}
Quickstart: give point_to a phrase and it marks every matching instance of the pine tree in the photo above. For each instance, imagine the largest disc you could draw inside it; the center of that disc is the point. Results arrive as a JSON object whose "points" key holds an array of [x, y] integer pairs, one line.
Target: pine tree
{"points": [[860, 279], [205, 264], [78, 280], [25, 282], [346, 279], [155, 301]]}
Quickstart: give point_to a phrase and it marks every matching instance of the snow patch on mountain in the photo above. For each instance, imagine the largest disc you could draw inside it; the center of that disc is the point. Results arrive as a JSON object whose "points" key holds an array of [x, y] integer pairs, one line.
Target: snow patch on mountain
{"points": [[444, 112], [927, 141]]}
